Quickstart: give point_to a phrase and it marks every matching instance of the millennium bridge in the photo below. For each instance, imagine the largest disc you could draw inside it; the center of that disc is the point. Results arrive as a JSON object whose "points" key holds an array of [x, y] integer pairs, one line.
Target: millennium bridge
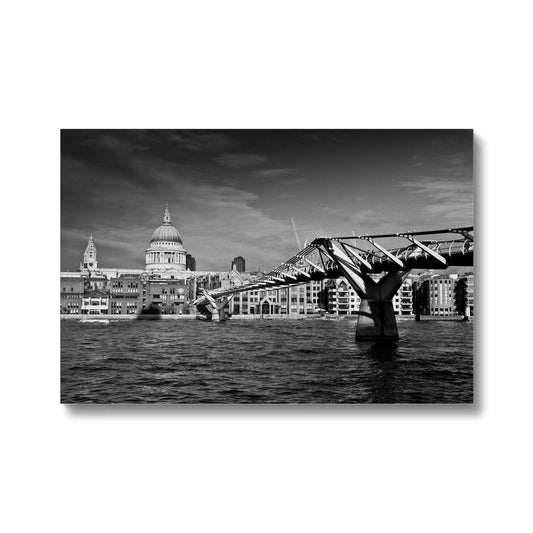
{"points": [[359, 258]]}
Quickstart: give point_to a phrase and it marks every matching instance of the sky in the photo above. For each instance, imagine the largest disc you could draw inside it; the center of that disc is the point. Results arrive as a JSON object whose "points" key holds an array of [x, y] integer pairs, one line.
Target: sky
{"points": [[234, 192]]}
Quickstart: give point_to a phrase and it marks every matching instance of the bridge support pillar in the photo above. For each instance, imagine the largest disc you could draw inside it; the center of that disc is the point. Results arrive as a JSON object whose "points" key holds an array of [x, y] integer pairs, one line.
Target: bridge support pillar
{"points": [[376, 321], [221, 311]]}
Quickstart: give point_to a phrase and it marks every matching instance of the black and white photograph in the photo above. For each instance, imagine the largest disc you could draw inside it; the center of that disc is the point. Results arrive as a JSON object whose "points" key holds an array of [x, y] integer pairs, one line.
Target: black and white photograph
{"points": [[267, 266], [264, 267]]}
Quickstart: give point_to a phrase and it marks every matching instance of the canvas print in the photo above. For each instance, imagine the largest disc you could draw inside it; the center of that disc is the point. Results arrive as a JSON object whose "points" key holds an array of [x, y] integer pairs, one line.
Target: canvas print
{"points": [[267, 266]]}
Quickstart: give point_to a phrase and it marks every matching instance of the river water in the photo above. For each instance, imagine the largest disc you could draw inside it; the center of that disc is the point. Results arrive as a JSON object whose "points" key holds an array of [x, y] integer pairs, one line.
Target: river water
{"points": [[264, 361]]}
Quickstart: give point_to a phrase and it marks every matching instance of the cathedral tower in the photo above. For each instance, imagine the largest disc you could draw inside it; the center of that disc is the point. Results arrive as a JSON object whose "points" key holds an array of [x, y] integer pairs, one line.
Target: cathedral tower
{"points": [[89, 256]]}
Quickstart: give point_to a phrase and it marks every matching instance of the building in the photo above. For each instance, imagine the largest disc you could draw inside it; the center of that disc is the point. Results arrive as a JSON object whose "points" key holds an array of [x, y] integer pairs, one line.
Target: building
{"points": [[238, 264], [341, 297], [71, 292], [436, 295], [403, 300], [464, 294], [302, 299], [297, 299], [190, 263], [208, 281], [95, 302], [171, 296], [125, 293], [95, 281]]}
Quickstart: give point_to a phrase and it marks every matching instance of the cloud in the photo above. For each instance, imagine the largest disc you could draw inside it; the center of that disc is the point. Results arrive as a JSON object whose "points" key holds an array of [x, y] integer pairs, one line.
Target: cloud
{"points": [[380, 219], [239, 160], [440, 189], [272, 172], [449, 199]]}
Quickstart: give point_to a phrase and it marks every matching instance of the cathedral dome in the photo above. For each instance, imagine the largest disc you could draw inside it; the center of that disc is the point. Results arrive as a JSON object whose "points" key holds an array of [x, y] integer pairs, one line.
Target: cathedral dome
{"points": [[166, 232]]}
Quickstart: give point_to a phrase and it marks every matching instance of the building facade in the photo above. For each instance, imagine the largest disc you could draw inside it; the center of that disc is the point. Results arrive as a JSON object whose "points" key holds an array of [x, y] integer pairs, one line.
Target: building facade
{"points": [[403, 300], [171, 297], [95, 302], [464, 294], [190, 263], [341, 297], [125, 294], [71, 293], [436, 296], [302, 299], [238, 264]]}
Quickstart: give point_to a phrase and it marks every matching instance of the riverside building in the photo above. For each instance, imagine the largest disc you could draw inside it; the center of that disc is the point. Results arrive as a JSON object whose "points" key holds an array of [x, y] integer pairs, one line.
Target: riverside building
{"points": [[464, 294], [435, 296], [71, 293], [95, 302], [402, 301]]}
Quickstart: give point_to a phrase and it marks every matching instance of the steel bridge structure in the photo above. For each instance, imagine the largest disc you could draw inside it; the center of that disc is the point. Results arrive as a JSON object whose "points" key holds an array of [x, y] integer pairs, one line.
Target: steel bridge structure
{"points": [[359, 258]]}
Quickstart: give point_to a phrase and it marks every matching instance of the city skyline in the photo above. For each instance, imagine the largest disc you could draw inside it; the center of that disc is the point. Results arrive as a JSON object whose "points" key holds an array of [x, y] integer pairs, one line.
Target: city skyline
{"points": [[233, 192]]}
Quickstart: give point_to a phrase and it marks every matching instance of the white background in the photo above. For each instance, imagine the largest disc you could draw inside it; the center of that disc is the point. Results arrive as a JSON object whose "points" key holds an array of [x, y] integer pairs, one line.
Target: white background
{"points": [[265, 64]]}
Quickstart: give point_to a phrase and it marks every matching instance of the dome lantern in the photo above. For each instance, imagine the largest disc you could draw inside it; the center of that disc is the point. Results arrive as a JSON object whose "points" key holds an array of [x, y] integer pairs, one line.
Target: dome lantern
{"points": [[166, 217]]}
